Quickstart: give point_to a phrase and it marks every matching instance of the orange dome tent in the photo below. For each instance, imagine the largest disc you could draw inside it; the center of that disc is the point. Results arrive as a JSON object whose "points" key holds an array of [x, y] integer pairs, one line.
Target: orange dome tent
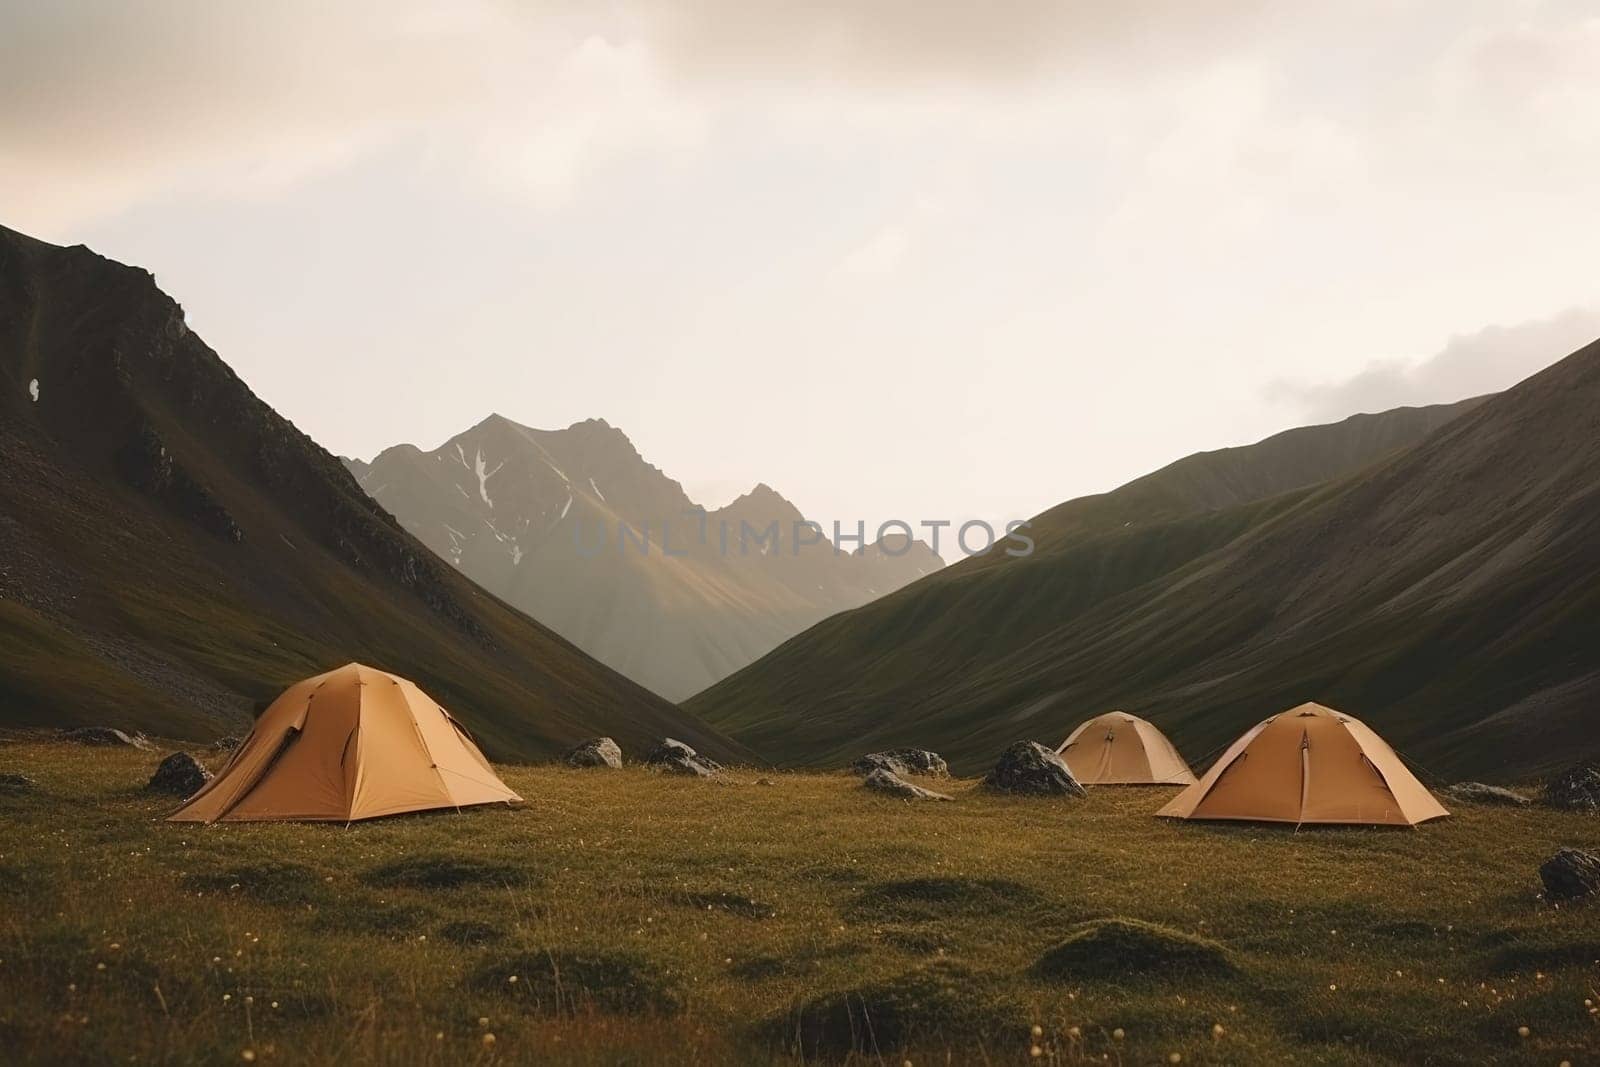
{"points": [[1309, 764], [1121, 749], [354, 743]]}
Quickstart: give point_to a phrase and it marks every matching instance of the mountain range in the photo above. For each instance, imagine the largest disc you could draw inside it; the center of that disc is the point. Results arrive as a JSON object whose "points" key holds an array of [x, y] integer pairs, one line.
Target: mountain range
{"points": [[578, 530], [1435, 572], [173, 552]]}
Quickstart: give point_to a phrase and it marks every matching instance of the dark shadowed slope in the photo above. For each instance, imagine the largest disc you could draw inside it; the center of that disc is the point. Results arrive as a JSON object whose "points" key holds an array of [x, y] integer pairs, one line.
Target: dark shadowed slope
{"points": [[1448, 595], [1229, 477], [534, 516], [173, 552]]}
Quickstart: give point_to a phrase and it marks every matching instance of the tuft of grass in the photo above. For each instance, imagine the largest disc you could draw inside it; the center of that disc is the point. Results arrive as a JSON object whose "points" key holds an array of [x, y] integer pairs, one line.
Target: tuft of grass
{"points": [[270, 883], [1113, 948], [471, 932], [1546, 953], [940, 1003], [444, 872], [719, 900], [360, 917], [569, 982], [932, 899]]}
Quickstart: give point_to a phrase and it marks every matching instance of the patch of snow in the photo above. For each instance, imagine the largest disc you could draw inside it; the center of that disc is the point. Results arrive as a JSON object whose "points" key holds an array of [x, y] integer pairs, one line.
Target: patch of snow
{"points": [[33, 390], [565, 508], [597, 491], [516, 555], [456, 537], [464, 494], [481, 469], [559, 471], [462, 456]]}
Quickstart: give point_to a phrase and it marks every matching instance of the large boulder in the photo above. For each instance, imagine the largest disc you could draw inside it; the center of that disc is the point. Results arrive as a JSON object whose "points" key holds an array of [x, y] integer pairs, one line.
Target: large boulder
{"points": [[675, 757], [180, 774], [104, 736], [1479, 793], [596, 752], [1577, 789], [1029, 767], [903, 761], [1571, 873], [890, 783]]}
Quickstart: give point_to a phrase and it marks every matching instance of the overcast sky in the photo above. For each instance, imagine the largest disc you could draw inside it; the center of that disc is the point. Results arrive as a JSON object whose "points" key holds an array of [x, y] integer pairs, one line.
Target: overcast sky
{"points": [[897, 258]]}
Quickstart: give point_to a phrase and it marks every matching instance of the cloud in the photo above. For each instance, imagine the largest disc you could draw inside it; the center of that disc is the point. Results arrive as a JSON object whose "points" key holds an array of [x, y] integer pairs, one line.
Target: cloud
{"points": [[110, 105], [1493, 359], [908, 42]]}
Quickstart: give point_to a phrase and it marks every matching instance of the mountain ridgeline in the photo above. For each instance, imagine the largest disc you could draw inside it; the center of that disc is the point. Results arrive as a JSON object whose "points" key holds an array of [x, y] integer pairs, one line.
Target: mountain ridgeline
{"points": [[173, 552], [1435, 572], [574, 527]]}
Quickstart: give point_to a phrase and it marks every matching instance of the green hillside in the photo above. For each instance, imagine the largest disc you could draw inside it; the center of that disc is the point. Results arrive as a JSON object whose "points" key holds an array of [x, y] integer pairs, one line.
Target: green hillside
{"points": [[173, 552], [1442, 594]]}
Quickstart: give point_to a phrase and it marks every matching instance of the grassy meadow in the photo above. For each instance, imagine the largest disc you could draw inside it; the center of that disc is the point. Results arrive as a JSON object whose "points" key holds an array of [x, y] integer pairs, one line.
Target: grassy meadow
{"points": [[627, 917]]}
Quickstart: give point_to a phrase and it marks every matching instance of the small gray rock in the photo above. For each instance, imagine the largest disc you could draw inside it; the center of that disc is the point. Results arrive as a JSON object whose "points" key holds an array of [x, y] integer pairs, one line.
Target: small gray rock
{"points": [[180, 774], [1479, 793], [1576, 790], [1029, 767], [596, 752], [104, 736], [675, 757], [227, 744], [16, 785], [890, 783], [1570, 873], [903, 761]]}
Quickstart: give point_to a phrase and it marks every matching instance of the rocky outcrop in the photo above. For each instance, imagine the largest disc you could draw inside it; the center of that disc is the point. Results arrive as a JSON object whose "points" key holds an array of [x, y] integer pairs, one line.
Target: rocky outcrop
{"points": [[104, 737], [1571, 873], [1031, 768], [903, 761], [180, 775], [891, 784], [1576, 790], [675, 757], [1479, 793], [595, 752]]}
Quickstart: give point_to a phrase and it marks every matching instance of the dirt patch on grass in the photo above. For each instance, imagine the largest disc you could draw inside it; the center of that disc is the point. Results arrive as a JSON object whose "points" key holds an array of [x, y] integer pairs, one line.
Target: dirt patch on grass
{"points": [[939, 1004], [445, 872], [932, 899], [569, 982], [1113, 948], [278, 883]]}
